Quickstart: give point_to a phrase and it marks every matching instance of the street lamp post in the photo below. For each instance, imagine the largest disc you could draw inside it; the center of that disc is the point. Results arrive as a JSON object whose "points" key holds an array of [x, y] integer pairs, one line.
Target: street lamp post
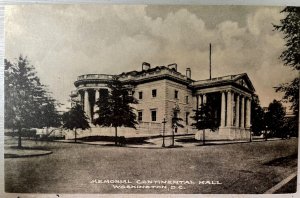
{"points": [[164, 123], [173, 133], [266, 133]]}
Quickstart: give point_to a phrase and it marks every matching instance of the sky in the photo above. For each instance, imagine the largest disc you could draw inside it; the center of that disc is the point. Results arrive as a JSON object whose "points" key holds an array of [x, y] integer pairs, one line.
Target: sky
{"points": [[65, 41]]}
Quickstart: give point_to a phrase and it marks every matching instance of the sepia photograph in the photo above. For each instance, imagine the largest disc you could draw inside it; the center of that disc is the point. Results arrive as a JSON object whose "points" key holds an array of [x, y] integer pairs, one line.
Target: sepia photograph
{"points": [[151, 99]]}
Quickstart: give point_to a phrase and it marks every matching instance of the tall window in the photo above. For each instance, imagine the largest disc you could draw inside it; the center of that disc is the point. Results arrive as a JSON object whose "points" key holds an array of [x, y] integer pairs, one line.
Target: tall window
{"points": [[140, 116], [153, 115], [187, 118], [187, 99], [176, 94], [140, 95], [154, 93]]}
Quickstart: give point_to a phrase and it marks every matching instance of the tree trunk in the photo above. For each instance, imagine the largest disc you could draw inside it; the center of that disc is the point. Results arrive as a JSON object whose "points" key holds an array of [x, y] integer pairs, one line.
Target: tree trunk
{"points": [[116, 136], [75, 136], [173, 137], [266, 135], [47, 134], [19, 138], [203, 136]]}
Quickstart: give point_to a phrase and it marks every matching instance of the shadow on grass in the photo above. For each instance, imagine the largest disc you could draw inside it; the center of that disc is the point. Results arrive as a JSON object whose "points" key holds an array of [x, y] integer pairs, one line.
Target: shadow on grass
{"points": [[209, 142], [175, 146], [284, 161], [187, 140], [113, 145], [130, 140], [219, 144], [125, 145]]}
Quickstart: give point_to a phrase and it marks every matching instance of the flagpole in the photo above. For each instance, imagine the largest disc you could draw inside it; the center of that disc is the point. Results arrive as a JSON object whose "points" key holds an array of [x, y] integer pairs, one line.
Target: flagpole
{"points": [[209, 61]]}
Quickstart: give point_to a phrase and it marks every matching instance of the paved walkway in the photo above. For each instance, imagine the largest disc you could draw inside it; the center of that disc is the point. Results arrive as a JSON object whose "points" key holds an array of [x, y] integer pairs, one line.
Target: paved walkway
{"points": [[157, 142], [10, 152]]}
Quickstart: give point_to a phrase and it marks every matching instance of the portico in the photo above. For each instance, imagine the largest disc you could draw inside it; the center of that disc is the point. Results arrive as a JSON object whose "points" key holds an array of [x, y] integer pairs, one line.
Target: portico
{"points": [[234, 94]]}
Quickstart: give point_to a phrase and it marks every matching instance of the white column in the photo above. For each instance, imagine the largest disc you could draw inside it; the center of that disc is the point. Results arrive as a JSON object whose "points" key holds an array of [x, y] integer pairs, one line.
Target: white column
{"points": [[237, 112], [229, 109], [87, 108], [204, 98], [200, 100], [97, 96], [223, 106], [242, 112], [82, 99], [248, 117]]}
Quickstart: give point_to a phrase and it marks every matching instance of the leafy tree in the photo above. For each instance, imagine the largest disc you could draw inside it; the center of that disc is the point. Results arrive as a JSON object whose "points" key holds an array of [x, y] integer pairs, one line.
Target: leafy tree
{"points": [[257, 116], [115, 109], [291, 93], [290, 27], [49, 115], [175, 123], [9, 114], [24, 96], [275, 118], [291, 126], [75, 119], [205, 118]]}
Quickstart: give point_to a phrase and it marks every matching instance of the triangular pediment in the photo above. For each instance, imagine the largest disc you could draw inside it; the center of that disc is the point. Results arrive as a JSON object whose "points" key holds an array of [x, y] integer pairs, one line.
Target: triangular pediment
{"points": [[243, 80]]}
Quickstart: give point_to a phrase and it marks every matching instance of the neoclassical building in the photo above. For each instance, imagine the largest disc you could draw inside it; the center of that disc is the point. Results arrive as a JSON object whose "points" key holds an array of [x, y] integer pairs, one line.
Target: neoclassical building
{"points": [[162, 91]]}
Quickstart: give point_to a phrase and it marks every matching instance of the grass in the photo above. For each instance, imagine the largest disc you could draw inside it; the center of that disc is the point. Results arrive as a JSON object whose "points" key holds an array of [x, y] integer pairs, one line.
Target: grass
{"points": [[239, 167]]}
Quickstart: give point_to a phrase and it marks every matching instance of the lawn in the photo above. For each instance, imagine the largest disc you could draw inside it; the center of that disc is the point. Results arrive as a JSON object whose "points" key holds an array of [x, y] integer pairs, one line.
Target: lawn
{"points": [[241, 168]]}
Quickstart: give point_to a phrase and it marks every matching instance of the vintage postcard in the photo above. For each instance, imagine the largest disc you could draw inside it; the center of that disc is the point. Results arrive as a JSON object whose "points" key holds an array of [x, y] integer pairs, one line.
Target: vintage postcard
{"points": [[150, 99]]}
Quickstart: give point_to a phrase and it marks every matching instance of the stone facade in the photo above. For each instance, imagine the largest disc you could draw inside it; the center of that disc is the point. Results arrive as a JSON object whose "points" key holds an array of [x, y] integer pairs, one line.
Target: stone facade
{"points": [[162, 90]]}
